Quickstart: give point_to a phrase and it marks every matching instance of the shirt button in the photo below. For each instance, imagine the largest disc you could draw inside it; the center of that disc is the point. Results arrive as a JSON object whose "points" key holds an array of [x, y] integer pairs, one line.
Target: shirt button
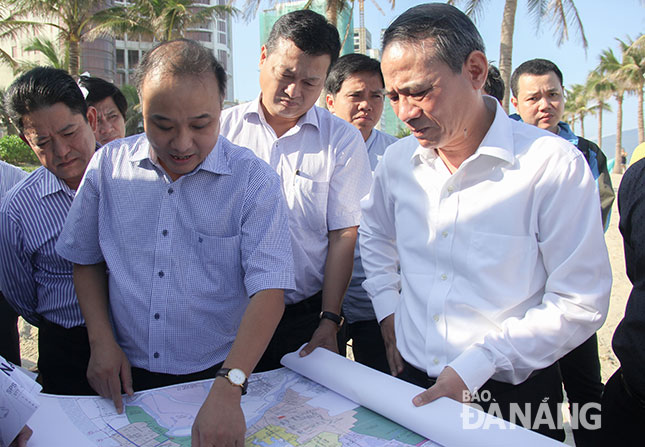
{"points": [[435, 317], [170, 190], [443, 276], [165, 232], [160, 274], [444, 234], [450, 188], [435, 361], [156, 355], [157, 316]]}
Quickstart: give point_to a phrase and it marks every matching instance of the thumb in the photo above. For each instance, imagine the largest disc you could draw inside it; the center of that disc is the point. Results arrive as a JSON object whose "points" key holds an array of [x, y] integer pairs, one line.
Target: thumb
{"points": [[426, 397]]}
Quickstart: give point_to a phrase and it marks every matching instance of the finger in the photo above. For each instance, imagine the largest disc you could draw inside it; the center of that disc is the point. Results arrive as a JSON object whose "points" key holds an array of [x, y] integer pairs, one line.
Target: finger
{"points": [[307, 349], [126, 378], [426, 397], [114, 385]]}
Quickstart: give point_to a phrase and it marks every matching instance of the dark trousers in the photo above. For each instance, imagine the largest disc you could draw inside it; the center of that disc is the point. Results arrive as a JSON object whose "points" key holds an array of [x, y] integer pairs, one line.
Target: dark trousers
{"points": [[543, 386], [623, 414], [9, 338], [143, 379], [63, 356], [580, 371], [367, 344], [296, 328]]}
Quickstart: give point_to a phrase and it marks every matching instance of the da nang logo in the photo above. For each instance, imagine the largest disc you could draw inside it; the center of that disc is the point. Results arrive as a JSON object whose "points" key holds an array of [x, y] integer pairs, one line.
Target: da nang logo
{"points": [[529, 416]]}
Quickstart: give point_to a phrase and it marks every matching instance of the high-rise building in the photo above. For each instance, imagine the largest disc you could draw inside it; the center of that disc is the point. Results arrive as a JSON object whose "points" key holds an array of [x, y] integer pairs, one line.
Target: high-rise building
{"points": [[345, 25], [358, 34]]}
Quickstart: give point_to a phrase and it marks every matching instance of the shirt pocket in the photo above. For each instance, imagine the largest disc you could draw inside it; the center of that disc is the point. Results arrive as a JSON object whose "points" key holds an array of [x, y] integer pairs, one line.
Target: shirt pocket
{"points": [[218, 262], [310, 203], [501, 269]]}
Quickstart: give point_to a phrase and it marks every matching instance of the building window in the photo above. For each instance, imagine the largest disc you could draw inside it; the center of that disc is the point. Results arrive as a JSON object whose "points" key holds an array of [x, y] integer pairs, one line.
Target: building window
{"points": [[120, 58], [133, 58], [222, 58], [221, 26], [221, 38]]}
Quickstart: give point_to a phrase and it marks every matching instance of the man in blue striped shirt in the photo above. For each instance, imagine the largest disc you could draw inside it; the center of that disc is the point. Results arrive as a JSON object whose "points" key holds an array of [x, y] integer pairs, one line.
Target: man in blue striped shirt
{"points": [[194, 233], [9, 339], [49, 110]]}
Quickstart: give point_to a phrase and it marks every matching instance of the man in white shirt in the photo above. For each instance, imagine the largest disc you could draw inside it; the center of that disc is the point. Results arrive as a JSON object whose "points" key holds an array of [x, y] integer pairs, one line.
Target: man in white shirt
{"points": [[325, 172], [495, 282], [355, 93]]}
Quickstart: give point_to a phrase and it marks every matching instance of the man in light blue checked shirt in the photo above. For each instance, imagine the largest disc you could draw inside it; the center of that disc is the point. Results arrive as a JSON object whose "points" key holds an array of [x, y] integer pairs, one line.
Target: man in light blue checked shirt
{"points": [[189, 227], [48, 108]]}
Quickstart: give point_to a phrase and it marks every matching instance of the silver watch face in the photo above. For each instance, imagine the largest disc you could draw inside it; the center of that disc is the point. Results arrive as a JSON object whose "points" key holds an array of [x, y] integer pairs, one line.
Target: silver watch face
{"points": [[237, 376]]}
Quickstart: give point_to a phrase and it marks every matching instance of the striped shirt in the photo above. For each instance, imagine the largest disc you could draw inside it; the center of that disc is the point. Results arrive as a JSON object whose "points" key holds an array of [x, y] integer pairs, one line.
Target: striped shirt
{"points": [[9, 176], [34, 279], [183, 257]]}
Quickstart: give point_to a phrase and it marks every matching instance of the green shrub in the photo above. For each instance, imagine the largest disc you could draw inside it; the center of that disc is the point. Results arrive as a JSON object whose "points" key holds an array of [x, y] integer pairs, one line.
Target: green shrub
{"points": [[15, 151]]}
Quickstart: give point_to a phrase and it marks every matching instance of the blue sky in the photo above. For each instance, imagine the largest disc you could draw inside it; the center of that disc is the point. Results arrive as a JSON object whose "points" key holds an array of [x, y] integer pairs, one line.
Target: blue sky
{"points": [[603, 22]]}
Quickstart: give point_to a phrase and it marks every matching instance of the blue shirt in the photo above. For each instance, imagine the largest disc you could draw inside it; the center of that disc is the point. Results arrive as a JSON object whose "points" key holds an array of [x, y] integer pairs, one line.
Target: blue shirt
{"points": [[34, 279], [183, 257], [357, 306], [9, 176]]}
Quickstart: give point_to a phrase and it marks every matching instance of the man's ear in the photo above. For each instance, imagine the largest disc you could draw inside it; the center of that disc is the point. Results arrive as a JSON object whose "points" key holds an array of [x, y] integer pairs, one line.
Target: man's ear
{"points": [[91, 117], [329, 99], [476, 67], [514, 102], [264, 53]]}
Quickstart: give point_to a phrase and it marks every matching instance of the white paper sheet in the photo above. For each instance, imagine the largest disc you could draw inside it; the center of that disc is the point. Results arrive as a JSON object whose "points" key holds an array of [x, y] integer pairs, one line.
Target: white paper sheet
{"points": [[441, 421]]}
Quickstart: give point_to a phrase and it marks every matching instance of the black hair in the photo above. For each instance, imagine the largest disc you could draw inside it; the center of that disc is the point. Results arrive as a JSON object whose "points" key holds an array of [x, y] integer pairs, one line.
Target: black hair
{"points": [[347, 66], [453, 34], [537, 67], [98, 89], [494, 84], [42, 87], [309, 31], [181, 57]]}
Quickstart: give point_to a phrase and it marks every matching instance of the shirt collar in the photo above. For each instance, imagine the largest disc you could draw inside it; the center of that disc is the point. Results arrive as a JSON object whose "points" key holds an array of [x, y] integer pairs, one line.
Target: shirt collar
{"points": [[498, 141], [255, 109], [52, 184], [216, 162]]}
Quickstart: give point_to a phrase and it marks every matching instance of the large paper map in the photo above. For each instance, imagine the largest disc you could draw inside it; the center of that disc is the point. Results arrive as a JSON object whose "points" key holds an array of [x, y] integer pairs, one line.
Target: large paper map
{"points": [[282, 409]]}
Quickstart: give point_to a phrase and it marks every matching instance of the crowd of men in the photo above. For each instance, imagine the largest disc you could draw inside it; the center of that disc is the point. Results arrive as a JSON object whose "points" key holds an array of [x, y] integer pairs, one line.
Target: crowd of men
{"points": [[219, 240]]}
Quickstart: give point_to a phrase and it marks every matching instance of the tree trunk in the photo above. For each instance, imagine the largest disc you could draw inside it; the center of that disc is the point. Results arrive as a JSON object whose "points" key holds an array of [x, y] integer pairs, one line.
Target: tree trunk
{"points": [[331, 13], [618, 166], [506, 48], [641, 130], [74, 57], [582, 126], [601, 104]]}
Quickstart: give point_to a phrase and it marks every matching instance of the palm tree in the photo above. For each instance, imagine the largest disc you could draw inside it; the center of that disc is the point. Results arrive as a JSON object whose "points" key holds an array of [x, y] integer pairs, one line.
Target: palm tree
{"points": [[72, 18], [611, 67], [161, 19], [561, 13], [579, 98], [133, 116], [10, 26], [634, 72], [600, 89], [53, 56]]}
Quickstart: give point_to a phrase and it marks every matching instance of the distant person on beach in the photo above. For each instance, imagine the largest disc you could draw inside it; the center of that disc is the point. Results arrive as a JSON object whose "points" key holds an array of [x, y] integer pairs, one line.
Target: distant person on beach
{"points": [[355, 92], [324, 170], [477, 274], [111, 107], [193, 231], [538, 97], [49, 110], [623, 402]]}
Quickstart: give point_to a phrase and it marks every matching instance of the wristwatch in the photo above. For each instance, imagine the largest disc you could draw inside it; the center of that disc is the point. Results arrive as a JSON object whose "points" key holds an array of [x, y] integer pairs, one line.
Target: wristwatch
{"points": [[235, 376], [333, 317]]}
